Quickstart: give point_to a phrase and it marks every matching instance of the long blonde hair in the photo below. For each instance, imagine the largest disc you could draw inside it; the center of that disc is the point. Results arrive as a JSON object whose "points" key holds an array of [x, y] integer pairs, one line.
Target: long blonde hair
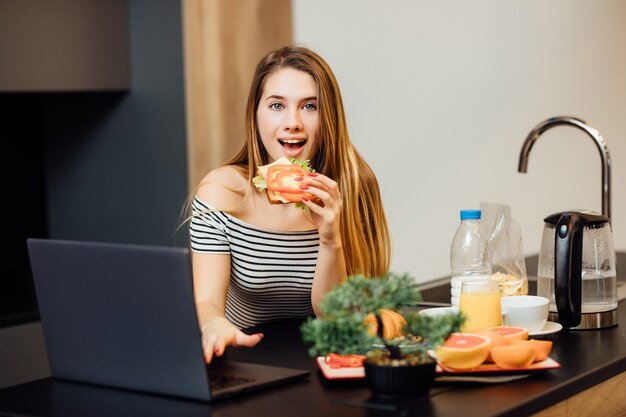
{"points": [[364, 232]]}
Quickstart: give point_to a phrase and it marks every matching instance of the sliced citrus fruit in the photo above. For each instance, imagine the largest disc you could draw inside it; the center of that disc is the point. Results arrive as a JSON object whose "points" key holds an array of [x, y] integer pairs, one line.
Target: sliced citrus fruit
{"points": [[511, 333], [496, 340], [519, 355], [542, 347], [464, 350], [393, 323]]}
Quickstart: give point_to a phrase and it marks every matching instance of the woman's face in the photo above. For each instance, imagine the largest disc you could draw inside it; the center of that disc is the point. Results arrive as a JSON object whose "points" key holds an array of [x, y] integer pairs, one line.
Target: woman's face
{"points": [[287, 115]]}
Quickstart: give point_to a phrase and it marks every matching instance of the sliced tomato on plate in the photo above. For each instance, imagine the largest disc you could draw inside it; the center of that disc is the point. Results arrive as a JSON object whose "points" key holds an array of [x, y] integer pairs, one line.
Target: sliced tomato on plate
{"points": [[335, 360]]}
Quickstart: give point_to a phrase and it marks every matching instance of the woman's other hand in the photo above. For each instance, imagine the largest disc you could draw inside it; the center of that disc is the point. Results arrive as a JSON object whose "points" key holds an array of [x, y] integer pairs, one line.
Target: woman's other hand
{"points": [[211, 277], [218, 333]]}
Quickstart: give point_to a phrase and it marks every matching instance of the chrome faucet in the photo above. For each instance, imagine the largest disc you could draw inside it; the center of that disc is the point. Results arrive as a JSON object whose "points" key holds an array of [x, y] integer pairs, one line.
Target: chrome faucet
{"points": [[593, 133]]}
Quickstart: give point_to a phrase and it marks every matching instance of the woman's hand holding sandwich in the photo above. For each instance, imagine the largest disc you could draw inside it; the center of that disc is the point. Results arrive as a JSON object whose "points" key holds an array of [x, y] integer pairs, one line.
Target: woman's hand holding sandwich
{"points": [[325, 214]]}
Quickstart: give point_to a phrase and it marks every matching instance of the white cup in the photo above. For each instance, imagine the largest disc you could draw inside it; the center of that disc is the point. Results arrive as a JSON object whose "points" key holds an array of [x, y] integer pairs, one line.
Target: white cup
{"points": [[528, 311]]}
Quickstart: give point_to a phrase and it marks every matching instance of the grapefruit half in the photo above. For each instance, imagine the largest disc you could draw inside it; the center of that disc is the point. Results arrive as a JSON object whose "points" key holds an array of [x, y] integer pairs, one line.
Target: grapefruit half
{"points": [[464, 350], [542, 347], [517, 355], [511, 333], [496, 340]]}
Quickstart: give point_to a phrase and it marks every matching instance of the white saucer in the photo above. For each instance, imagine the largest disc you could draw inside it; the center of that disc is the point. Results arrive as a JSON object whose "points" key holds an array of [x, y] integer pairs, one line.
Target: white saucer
{"points": [[549, 328], [437, 311]]}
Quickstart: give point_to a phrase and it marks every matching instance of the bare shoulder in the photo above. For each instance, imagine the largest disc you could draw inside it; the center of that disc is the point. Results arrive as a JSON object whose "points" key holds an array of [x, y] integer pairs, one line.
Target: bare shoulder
{"points": [[224, 187]]}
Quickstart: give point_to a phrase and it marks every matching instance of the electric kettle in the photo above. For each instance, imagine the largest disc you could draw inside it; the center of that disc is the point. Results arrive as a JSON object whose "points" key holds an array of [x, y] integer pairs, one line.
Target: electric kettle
{"points": [[577, 270]]}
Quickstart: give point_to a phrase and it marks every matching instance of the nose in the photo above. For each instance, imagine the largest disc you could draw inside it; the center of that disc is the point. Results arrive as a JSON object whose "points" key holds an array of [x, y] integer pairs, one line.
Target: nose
{"points": [[293, 120]]}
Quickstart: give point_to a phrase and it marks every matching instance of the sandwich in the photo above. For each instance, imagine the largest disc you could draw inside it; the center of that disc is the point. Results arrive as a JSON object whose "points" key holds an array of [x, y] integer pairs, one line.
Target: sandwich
{"points": [[278, 181]]}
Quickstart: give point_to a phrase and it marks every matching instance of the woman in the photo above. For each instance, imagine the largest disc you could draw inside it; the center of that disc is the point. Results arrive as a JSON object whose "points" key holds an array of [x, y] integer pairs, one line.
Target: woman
{"points": [[254, 261]]}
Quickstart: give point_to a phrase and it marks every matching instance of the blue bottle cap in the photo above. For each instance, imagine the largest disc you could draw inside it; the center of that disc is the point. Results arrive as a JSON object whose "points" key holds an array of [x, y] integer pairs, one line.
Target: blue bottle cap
{"points": [[470, 214]]}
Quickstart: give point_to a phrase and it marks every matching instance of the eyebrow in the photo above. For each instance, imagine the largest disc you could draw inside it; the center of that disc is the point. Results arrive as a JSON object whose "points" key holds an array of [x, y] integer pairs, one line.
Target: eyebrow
{"points": [[277, 97]]}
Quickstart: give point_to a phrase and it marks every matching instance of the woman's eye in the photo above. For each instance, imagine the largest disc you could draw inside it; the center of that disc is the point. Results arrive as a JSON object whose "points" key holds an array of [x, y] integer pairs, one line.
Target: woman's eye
{"points": [[276, 106], [309, 106]]}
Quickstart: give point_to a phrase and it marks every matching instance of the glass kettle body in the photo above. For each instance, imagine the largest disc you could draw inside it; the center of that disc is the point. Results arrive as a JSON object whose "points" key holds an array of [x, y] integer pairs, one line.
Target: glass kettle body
{"points": [[577, 270]]}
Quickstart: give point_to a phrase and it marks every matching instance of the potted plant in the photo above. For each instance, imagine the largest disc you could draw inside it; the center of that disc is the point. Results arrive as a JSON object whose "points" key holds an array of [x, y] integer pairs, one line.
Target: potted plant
{"points": [[378, 317]]}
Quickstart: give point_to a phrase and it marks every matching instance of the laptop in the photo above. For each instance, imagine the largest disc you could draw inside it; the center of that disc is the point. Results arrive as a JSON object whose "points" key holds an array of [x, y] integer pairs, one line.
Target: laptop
{"points": [[124, 316]]}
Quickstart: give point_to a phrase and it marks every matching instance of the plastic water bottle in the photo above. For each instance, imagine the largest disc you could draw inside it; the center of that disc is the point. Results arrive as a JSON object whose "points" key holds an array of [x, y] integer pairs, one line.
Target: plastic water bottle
{"points": [[469, 255]]}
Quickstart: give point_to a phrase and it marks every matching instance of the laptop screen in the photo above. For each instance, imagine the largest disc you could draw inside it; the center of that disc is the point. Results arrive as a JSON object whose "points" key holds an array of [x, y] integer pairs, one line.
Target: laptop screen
{"points": [[120, 315], [124, 316]]}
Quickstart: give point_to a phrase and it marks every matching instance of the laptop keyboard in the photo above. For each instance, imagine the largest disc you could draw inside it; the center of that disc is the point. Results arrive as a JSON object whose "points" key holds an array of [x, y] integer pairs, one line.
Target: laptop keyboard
{"points": [[221, 381]]}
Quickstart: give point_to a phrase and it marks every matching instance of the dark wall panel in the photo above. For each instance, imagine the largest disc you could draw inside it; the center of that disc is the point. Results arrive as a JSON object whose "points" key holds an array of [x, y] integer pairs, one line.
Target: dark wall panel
{"points": [[117, 161], [96, 166], [23, 208]]}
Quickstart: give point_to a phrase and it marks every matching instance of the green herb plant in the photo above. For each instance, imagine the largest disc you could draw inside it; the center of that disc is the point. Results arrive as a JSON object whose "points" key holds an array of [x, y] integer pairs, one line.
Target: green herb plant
{"points": [[341, 328]]}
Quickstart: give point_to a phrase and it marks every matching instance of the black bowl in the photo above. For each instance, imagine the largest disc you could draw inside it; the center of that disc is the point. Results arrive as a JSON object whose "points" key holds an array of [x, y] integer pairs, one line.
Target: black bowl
{"points": [[403, 381]]}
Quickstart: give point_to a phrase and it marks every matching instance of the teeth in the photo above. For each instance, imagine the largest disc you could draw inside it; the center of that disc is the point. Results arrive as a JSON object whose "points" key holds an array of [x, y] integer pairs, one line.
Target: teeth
{"points": [[292, 140]]}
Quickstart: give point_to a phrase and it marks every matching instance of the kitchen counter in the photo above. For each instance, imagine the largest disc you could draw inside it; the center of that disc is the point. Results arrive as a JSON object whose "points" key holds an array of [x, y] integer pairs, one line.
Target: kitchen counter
{"points": [[587, 358], [590, 360]]}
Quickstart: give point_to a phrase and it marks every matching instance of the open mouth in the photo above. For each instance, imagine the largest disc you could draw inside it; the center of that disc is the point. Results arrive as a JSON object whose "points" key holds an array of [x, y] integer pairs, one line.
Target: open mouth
{"points": [[292, 144]]}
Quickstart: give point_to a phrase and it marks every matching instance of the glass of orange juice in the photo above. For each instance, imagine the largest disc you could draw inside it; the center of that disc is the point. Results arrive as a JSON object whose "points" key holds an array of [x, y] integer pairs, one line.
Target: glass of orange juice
{"points": [[480, 302]]}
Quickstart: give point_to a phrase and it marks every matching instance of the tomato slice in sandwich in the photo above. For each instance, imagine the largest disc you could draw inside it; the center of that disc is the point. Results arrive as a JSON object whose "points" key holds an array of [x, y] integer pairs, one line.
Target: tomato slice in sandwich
{"points": [[280, 179]]}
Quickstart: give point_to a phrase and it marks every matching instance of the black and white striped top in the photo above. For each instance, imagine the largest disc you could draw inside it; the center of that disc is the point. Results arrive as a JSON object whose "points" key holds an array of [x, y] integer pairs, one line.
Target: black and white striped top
{"points": [[271, 271]]}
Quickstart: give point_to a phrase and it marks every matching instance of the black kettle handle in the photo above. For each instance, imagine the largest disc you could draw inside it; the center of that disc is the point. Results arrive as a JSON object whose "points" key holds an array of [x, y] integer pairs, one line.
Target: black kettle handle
{"points": [[568, 250]]}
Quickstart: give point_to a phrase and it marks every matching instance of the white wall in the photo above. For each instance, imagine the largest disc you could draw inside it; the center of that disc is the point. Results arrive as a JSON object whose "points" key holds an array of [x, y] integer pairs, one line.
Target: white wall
{"points": [[441, 94]]}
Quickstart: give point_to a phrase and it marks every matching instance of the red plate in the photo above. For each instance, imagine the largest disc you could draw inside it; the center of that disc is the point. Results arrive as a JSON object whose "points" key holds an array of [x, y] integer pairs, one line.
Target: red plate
{"points": [[340, 373]]}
